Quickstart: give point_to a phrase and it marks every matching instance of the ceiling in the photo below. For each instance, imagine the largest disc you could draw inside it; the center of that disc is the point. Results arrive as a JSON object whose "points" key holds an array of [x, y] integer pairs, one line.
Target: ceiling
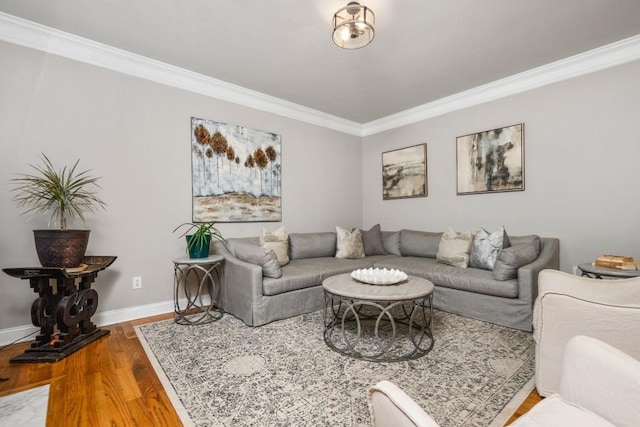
{"points": [[422, 51]]}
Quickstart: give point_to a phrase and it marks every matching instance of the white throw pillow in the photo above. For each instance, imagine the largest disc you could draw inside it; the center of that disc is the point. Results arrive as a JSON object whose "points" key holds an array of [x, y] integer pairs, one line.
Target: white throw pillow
{"points": [[277, 240], [349, 243], [454, 248]]}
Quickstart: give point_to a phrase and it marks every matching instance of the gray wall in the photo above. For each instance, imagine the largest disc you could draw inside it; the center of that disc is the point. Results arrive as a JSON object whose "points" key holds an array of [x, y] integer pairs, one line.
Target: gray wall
{"points": [[582, 152], [136, 135]]}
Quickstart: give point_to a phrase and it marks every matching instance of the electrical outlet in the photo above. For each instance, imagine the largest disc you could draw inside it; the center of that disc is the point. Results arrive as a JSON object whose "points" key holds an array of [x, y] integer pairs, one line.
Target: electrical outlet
{"points": [[576, 271], [137, 282]]}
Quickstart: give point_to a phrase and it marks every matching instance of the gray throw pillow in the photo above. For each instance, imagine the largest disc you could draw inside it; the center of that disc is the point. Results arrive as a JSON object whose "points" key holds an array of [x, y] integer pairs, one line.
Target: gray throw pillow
{"points": [[372, 241], [264, 257], [486, 247], [511, 259], [532, 239], [391, 242]]}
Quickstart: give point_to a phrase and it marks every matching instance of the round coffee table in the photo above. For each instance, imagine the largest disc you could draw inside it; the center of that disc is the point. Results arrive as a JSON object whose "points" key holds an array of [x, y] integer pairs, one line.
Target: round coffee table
{"points": [[381, 323]]}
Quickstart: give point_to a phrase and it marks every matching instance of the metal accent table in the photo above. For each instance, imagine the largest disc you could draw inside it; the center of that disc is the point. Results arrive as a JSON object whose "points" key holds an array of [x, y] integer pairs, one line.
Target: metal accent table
{"points": [[66, 307], [206, 273], [587, 269], [363, 321]]}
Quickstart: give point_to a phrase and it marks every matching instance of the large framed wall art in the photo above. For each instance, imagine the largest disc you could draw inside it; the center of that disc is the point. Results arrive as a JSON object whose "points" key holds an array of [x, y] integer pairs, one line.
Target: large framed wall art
{"points": [[236, 173], [404, 172], [491, 161]]}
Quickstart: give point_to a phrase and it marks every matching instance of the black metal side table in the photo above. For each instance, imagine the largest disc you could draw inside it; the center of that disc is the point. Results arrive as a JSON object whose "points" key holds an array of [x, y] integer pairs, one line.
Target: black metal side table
{"points": [[63, 312], [197, 290]]}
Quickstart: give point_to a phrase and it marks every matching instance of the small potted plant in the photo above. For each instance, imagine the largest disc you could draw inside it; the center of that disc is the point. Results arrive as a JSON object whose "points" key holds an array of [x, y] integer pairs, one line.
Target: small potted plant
{"points": [[67, 194], [200, 238]]}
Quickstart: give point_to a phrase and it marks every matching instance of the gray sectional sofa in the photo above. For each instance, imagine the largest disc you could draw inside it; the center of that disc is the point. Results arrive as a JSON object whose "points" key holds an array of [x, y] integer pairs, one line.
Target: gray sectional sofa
{"points": [[256, 299]]}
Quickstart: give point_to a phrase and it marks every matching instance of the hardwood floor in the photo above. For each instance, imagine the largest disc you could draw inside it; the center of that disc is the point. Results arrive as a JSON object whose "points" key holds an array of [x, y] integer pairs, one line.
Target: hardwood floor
{"points": [[108, 383]]}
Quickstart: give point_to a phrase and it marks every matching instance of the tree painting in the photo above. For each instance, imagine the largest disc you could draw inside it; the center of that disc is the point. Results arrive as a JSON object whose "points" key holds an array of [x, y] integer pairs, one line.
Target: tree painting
{"points": [[236, 173]]}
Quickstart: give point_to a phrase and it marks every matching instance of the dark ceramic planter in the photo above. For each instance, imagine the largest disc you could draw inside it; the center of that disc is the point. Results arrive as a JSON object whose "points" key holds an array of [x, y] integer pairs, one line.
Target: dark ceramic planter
{"points": [[61, 248], [197, 251]]}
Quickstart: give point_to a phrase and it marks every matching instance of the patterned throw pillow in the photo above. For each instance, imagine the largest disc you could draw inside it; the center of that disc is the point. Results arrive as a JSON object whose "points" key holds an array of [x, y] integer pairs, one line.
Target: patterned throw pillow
{"points": [[278, 241], [486, 248], [349, 243], [454, 248]]}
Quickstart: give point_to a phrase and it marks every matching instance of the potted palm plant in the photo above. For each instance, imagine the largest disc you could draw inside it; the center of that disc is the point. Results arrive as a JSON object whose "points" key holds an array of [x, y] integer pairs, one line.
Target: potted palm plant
{"points": [[199, 237], [66, 194]]}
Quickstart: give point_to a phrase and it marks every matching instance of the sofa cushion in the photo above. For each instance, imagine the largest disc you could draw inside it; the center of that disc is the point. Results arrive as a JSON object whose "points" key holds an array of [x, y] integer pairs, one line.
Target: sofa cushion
{"points": [[533, 239], [486, 247], [391, 242], [511, 259], [372, 241], [312, 245], [304, 273], [465, 279], [349, 243], [277, 240], [419, 243], [231, 243], [264, 257], [454, 248]]}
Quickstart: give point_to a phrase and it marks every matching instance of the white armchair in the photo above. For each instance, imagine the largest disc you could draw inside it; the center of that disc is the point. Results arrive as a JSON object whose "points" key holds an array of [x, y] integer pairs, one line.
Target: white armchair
{"points": [[599, 387], [392, 407], [569, 305]]}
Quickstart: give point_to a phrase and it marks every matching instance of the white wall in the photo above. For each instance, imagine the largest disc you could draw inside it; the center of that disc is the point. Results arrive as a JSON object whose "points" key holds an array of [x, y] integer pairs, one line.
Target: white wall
{"points": [[582, 156], [136, 135]]}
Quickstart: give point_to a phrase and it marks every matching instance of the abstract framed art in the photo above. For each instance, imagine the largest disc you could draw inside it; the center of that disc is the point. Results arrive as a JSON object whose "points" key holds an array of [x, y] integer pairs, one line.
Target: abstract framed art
{"points": [[236, 173], [404, 173], [491, 161]]}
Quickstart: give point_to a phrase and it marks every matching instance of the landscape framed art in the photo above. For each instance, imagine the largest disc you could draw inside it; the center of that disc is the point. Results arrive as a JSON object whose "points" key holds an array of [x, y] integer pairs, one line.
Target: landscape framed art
{"points": [[491, 161], [404, 172], [236, 173]]}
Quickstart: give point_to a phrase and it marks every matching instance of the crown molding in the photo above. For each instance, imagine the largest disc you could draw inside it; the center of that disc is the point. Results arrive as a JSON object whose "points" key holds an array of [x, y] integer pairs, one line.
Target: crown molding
{"points": [[611, 55], [40, 37]]}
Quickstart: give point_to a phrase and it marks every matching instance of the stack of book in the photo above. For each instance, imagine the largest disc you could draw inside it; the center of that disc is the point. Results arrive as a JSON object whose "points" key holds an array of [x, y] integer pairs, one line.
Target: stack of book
{"points": [[616, 261]]}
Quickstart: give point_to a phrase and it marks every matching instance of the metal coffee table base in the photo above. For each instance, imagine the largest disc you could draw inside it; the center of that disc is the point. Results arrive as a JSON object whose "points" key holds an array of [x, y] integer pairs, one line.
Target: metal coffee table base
{"points": [[378, 331]]}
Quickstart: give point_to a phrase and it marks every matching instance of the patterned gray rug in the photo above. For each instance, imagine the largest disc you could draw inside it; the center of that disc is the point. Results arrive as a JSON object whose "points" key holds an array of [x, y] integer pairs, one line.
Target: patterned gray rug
{"points": [[283, 374]]}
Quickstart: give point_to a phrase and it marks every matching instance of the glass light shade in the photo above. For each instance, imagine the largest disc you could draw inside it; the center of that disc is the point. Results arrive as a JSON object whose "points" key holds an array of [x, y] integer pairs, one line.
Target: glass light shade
{"points": [[353, 26]]}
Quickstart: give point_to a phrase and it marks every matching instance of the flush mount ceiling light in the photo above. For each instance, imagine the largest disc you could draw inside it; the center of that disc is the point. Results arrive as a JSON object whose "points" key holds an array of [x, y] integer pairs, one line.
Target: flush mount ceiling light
{"points": [[353, 26]]}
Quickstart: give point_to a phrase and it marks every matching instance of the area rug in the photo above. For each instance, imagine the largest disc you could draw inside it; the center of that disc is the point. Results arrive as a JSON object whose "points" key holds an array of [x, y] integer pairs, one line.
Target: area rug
{"points": [[26, 408], [283, 374]]}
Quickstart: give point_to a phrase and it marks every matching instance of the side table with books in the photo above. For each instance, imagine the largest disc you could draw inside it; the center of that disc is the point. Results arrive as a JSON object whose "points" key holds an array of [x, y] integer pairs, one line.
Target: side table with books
{"points": [[615, 266]]}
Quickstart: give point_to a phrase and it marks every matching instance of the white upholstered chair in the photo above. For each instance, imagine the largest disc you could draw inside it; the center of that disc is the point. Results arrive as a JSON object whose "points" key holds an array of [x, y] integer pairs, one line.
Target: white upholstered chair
{"points": [[569, 305], [599, 387], [392, 407]]}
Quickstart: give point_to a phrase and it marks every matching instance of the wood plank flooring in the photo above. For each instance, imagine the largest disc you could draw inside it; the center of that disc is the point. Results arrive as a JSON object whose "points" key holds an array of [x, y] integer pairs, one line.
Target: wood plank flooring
{"points": [[108, 383]]}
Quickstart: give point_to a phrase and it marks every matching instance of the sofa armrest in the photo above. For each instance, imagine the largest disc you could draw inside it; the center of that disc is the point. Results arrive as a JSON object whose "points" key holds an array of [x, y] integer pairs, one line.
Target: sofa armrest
{"points": [[549, 258], [241, 285], [601, 379]]}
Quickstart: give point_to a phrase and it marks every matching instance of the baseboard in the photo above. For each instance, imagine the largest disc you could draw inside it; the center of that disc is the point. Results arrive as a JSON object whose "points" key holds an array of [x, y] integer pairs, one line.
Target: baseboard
{"points": [[104, 318]]}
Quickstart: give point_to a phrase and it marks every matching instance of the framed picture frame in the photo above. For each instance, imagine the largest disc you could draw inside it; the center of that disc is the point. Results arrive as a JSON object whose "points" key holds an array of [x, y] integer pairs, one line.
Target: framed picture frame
{"points": [[491, 161], [236, 173], [404, 173]]}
